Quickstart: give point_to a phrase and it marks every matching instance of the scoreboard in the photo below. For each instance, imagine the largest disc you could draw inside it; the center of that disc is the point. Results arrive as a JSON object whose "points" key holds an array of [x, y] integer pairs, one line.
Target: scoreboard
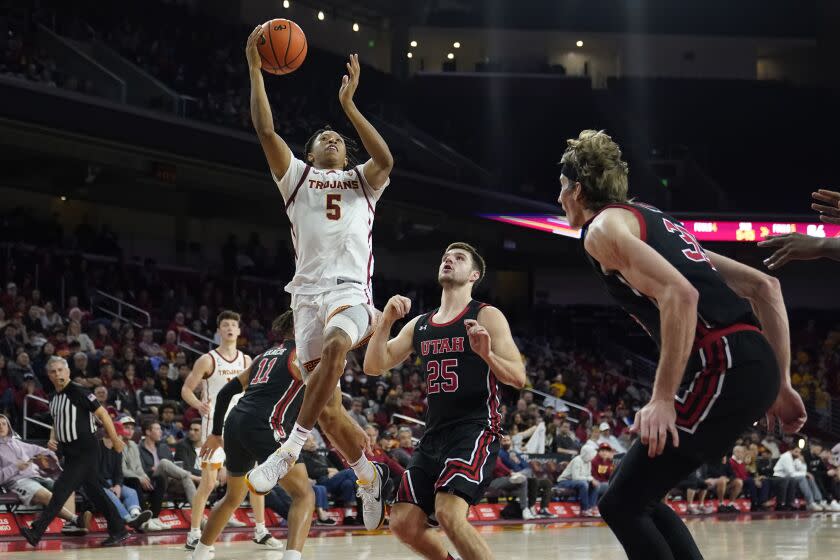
{"points": [[703, 230]]}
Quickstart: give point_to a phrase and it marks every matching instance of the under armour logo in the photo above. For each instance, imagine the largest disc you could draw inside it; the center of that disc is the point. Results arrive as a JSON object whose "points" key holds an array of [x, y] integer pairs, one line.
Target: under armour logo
{"points": [[423, 328], [282, 351]]}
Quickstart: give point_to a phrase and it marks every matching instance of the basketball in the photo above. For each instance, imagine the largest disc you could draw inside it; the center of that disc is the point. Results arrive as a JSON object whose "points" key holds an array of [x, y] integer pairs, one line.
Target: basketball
{"points": [[282, 46]]}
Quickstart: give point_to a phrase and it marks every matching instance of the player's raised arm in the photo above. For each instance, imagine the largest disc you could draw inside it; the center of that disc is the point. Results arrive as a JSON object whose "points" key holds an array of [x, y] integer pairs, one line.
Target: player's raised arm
{"points": [[277, 153], [203, 366], [491, 339], [378, 167], [611, 242], [383, 354]]}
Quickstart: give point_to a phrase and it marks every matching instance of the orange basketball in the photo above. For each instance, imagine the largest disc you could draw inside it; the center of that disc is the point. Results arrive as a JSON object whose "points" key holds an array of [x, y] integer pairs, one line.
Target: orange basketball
{"points": [[282, 46]]}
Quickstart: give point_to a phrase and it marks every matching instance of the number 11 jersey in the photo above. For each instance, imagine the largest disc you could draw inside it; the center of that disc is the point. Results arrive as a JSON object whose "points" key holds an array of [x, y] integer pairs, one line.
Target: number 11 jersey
{"points": [[460, 387], [331, 212]]}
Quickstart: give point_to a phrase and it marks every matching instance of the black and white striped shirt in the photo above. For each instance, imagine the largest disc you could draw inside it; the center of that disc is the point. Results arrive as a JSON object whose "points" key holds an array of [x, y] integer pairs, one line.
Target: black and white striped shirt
{"points": [[72, 411]]}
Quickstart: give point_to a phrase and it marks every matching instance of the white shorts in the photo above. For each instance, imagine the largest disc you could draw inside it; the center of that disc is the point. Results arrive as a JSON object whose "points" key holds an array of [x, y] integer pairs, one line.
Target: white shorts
{"points": [[26, 488], [312, 312], [217, 459]]}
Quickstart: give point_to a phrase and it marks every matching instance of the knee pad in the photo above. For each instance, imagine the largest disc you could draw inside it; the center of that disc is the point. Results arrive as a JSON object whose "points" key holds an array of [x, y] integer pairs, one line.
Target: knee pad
{"points": [[355, 321]]}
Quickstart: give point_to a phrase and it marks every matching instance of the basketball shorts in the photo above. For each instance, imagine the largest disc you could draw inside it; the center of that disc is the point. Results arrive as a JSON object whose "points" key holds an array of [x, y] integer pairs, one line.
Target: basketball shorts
{"points": [[313, 312], [459, 460], [248, 440], [26, 488]]}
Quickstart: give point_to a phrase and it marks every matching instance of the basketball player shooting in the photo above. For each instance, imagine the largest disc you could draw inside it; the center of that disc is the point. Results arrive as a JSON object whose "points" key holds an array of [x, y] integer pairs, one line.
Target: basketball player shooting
{"points": [[465, 348], [331, 209], [698, 307]]}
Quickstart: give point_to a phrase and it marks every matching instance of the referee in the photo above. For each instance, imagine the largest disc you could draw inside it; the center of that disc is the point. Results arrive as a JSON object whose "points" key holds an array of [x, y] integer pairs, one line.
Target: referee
{"points": [[73, 409]]}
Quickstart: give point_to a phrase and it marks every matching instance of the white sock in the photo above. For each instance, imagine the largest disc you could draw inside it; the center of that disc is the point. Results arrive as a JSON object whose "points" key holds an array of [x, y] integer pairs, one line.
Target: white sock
{"points": [[296, 439], [201, 552], [348, 512], [195, 531], [259, 528], [291, 555], [364, 470], [134, 512]]}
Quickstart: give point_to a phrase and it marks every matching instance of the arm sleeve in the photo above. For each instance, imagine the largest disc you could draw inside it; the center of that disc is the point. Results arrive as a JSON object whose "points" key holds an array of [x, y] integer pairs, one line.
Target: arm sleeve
{"points": [[288, 182], [117, 474], [88, 401], [233, 387]]}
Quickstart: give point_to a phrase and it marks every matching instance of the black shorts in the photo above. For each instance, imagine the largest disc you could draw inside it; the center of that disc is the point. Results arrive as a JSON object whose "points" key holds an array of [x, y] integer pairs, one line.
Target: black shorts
{"points": [[459, 461], [248, 440]]}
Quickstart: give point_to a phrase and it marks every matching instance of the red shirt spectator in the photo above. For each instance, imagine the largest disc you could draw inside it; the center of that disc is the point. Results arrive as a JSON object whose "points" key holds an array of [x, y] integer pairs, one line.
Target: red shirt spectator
{"points": [[602, 464], [500, 469]]}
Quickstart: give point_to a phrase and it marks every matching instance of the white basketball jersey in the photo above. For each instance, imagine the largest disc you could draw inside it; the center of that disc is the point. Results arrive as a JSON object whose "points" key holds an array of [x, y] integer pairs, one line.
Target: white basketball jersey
{"points": [[223, 371], [331, 212]]}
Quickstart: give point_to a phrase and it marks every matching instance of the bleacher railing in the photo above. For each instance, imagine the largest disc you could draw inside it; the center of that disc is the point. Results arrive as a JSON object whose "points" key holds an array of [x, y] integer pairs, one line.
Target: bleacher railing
{"points": [[141, 318], [27, 419], [209, 342], [561, 405]]}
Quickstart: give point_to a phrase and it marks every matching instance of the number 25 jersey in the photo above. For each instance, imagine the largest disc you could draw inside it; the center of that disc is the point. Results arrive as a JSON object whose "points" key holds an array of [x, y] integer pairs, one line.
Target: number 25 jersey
{"points": [[460, 387], [331, 212]]}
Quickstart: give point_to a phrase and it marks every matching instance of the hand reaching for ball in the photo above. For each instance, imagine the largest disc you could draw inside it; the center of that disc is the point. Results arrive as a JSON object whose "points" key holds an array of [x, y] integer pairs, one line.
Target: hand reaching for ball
{"points": [[350, 81], [251, 51]]}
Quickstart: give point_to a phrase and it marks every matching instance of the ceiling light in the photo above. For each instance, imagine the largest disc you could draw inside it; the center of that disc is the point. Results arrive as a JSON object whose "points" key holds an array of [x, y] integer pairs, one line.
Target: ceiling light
{"points": [[286, 4], [320, 16], [579, 43], [355, 26], [410, 55], [456, 44], [413, 43], [450, 56]]}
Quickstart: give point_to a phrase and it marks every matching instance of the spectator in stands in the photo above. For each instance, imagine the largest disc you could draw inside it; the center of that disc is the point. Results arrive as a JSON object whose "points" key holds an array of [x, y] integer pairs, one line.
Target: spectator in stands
{"points": [[7, 300], [106, 371], [693, 485], [405, 440], [7, 392], [149, 347], [39, 362], [593, 441], [149, 398], [51, 319], [791, 473], [103, 337], [719, 478], [566, 442], [170, 346], [37, 409], [818, 469], [602, 464], [20, 368], [81, 372], [341, 485], [187, 449], [578, 476], [172, 431], [75, 334], [356, 412], [510, 483], [157, 459], [123, 497], [379, 455], [101, 394], [124, 399], [537, 487], [771, 444], [132, 382], [21, 474], [169, 389], [757, 490], [9, 344], [608, 438], [151, 487]]}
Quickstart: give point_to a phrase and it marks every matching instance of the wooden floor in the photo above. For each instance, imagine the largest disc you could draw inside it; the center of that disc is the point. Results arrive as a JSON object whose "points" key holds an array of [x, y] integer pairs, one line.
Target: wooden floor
{"points": [[789, 538]]}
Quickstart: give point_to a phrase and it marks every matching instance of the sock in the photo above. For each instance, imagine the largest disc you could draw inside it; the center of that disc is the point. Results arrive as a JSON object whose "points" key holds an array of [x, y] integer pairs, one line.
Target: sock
{"points": [[134, 512], [195, 531], [297, 438], [259, 528], [76, 520], [291, 555], [201, 552], [348, 512], [364, 470]]}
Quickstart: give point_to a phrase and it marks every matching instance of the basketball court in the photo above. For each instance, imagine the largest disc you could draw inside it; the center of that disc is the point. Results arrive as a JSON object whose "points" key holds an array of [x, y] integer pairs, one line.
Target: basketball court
{"points": [[788, 537]]}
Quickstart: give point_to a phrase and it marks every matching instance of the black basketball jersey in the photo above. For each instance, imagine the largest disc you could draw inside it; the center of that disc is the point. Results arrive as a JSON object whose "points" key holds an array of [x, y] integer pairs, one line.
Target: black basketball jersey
{"points": [[274, 393], [717, 307], [460, 387]]}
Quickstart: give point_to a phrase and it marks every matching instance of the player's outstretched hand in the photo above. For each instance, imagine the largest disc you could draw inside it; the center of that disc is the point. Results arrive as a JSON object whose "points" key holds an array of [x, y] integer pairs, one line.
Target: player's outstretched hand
{"points": [[350, 81], [396, 308], [479, 338], [653, 423], [211, 444], [789, 410], [828, 205], [791, 247], [251, 52]]}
